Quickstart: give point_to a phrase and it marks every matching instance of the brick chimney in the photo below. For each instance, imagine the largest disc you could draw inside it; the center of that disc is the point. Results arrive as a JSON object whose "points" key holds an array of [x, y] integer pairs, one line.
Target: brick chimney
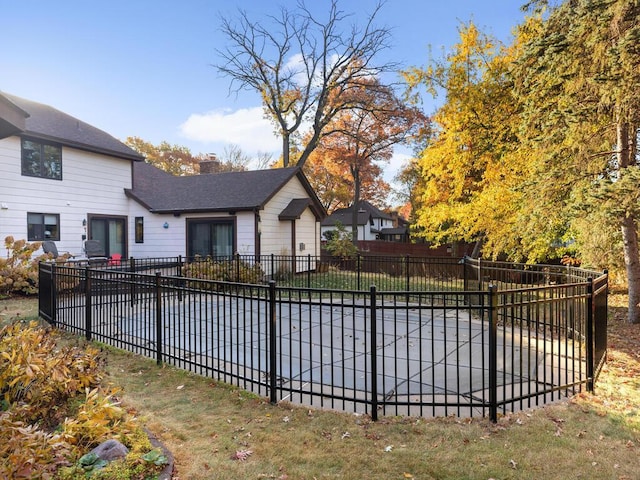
{"points": [[210, 165]]}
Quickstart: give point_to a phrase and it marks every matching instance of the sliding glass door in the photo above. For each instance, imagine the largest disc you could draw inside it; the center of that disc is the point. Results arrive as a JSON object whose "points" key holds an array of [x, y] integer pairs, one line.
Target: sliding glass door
{"points": [[111, 232]]}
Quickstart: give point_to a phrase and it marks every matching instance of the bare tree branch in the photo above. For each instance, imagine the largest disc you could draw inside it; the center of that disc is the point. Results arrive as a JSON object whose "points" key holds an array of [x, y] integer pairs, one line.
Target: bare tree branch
{"points": [[301, 65]]}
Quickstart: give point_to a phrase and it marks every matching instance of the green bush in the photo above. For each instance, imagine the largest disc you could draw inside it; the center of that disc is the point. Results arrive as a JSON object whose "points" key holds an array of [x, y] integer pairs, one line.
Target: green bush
{"points": [[19, 271], [340, 242]]}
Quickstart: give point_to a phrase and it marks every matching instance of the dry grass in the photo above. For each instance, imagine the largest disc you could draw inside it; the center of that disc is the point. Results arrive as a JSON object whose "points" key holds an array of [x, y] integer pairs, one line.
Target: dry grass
{"points": [[210, 427]]}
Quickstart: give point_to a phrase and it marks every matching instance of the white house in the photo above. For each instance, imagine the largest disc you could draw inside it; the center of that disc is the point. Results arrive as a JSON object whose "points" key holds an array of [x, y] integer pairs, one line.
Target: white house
{"points": [[258, 212], [61, 179], [64, 180], [373, 224]]}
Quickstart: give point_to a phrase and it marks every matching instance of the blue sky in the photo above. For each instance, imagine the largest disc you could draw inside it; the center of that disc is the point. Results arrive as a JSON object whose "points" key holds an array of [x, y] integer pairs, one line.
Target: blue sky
{"points": [[144, 68]]}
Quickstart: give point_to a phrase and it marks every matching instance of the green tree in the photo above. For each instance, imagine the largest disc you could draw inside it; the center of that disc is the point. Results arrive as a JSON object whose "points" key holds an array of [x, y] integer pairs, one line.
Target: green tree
{"points": [[579, 77], [340, 242]]}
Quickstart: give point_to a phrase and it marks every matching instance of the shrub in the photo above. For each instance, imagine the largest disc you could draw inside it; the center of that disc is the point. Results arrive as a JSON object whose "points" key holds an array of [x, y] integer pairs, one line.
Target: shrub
{"points": [[19, 271], [235, 270], [340, 242], [98, 419], [39, 379], [53, 411], [28, 452]]}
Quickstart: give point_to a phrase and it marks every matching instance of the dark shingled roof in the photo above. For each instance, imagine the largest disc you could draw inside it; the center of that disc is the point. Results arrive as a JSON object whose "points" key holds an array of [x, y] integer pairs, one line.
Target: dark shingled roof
{"points": [[343, 216], [161, 192], [295, 208], [365, 210], [47, 123], [394, 231]]}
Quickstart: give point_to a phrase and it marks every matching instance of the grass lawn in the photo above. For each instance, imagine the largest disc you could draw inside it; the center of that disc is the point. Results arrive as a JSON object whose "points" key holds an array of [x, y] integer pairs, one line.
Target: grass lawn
{"points": [[219, 432]]}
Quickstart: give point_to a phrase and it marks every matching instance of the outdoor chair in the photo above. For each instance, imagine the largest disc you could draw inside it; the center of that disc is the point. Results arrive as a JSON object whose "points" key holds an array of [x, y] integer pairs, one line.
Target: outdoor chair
{"points": [[115, 259], [49, 246], [95, 252]]}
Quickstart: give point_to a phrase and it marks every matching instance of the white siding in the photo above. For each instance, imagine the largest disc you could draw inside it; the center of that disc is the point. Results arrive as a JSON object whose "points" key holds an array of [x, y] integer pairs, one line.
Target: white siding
{"points": [[276, 234], [91, 183], [246, 240], [306, 233], [171, 241], [94, 184]]}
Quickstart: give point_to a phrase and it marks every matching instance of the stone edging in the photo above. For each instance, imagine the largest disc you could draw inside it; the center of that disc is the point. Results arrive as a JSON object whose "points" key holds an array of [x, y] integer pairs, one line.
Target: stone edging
{"points": [[167, 472]]}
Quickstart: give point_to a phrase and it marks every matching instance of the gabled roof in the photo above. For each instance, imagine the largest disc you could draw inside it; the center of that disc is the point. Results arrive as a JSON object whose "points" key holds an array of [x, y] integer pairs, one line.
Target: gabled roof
{"points": [[161, 192], [294, 210], [49, 124], [12, 118], [365, 212], [343, 216]]}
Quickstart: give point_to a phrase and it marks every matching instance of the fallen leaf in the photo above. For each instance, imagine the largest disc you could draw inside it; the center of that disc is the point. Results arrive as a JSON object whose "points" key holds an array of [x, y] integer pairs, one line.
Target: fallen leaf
{"points": [[513, 464], [388, 448], [179, 387], [407, 475], [346, 435], [241, 455]]}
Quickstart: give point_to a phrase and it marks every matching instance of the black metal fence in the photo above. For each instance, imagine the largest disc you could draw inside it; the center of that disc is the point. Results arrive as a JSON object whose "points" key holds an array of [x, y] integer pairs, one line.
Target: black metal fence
{"points": [[507, 341]]}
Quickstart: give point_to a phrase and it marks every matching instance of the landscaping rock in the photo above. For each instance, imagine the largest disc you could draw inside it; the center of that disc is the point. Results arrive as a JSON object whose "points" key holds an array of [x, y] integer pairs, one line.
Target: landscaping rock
{"points": [[110, 450]]}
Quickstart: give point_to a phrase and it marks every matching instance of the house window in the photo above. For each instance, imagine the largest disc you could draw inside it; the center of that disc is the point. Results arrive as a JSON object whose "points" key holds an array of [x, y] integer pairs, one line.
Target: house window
{"points": [[210, 237], [43, 226], [139, 229], [41, 160]]}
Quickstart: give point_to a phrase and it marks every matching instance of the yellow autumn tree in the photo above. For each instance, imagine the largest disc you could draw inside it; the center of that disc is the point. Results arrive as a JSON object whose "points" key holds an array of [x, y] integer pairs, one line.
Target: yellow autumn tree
{"points": [[470, 172]]}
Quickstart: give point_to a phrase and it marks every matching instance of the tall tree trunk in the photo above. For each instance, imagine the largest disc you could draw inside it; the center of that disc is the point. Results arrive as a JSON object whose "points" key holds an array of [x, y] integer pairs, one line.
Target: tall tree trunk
{"points": [[355, 171], [632, 264], [477, 248], [285, 149], [626, 157]]}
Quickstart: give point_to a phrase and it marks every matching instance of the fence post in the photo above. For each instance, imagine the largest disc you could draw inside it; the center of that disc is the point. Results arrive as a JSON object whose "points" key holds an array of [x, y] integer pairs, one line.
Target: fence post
{"points": [[158, 318], [180, 274], [590, 350], [465, 280], [373, 346], [358, 270], [273, 271], [493, 353], [237, 258], [133, 291], [480, 287], [406, 260], [53, 295], [308, 270], [273, 358], [87, 303]]}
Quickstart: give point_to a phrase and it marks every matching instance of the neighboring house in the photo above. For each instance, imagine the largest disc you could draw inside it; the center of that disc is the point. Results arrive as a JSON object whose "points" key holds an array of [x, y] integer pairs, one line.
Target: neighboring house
{"points": [[64, 180], [61, 179], [258, 212], [373, 224]]}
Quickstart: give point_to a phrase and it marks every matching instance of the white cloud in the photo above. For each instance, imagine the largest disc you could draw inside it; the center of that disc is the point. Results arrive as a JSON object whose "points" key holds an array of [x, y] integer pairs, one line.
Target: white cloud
{"points": [[397, 162], [246, 128]]}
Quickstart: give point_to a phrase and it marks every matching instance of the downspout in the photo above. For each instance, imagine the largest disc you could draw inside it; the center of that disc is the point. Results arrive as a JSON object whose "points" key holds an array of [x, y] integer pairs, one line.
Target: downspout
{"points": [[257, 233]]}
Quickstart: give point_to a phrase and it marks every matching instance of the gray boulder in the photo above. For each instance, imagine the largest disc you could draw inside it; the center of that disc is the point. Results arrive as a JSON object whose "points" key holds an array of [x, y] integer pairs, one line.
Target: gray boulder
{"points": [[110, 450]]}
